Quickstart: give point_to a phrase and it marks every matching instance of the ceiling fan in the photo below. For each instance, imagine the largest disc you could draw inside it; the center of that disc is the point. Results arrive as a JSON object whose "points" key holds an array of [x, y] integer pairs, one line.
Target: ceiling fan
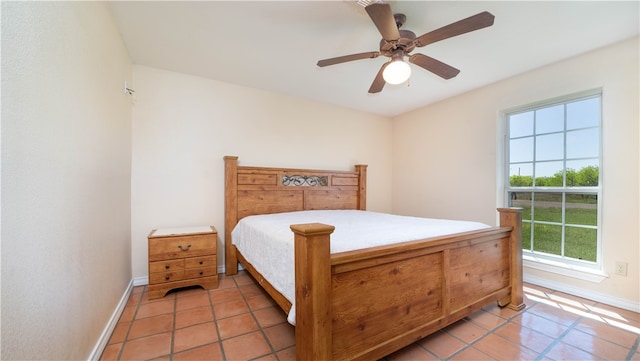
{"points": [[396, 44]]}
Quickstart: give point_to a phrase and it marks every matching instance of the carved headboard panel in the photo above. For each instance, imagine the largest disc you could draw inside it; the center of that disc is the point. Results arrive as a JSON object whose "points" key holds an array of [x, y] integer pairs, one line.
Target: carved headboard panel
{"points": [[261, 190]]}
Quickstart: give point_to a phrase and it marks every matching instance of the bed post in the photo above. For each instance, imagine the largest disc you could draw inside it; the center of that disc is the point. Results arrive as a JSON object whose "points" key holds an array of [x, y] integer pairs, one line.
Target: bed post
{"points": [[362, 186], [230, 212], [313, 287], [512, 217]]}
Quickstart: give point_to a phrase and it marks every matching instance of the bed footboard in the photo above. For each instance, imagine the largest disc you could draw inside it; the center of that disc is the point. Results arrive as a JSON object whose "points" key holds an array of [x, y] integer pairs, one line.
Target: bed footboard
{"points": [[366, 304]]}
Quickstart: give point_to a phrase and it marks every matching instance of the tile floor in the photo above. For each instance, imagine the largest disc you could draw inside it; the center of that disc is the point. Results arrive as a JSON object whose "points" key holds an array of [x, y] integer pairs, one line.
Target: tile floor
{"points": [[237, 321]]}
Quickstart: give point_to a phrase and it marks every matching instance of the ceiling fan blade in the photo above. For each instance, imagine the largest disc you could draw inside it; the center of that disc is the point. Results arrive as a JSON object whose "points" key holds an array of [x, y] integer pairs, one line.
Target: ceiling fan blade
{"points": [[346, 58], [475, 22], [382, 17], [435, 66], [378, 82]]}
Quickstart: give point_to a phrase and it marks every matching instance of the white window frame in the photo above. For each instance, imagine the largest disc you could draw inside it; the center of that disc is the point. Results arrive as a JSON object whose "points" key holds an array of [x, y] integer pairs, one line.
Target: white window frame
{"points": [[585, 270]]}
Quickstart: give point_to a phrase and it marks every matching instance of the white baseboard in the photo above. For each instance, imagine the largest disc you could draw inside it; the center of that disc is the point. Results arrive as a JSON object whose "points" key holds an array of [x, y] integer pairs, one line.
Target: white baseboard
{"points": [[140, 281], [581, 292], [111, 325]]}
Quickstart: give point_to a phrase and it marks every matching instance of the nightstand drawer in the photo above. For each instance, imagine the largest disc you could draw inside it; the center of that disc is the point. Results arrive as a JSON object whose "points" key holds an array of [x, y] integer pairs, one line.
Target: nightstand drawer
{"points": [[165, 277], [200, 272], [204, 261], [164, 266], [181, 247]]}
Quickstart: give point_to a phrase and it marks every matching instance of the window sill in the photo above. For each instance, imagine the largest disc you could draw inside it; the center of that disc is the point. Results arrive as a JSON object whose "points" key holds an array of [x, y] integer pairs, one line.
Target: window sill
{"points": [[565, 269]]}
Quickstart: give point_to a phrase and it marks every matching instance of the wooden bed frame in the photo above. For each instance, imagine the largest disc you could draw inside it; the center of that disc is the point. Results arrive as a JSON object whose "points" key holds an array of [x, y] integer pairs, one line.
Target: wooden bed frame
{"points": [[366, 304]]}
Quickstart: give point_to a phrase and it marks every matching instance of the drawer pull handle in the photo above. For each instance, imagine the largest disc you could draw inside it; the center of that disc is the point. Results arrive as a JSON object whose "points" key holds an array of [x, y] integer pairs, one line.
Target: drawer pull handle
{"points": [[184, 249], [201, 273], [167, 266], [201, 262], [167, 277]]}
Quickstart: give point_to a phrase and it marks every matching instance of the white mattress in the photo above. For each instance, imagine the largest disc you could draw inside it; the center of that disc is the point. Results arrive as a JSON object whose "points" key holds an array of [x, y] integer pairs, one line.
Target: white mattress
{"points": [[266, 241]]}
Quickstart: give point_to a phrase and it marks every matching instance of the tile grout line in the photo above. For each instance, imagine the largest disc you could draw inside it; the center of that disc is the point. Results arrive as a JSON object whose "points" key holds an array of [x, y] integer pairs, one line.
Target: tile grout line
{"points": [[215, 321], [133, 317], [489, 332], [633, 349], [492, 331], [469, 345], [260, 328], [250, 311], [559, 339], [172, 352], [173, 327], [572, 327]]}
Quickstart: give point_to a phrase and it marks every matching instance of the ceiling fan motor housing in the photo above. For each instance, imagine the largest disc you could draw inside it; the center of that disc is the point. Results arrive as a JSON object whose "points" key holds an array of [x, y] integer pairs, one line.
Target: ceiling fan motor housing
{"points": [[400, 19], [406, 43]]}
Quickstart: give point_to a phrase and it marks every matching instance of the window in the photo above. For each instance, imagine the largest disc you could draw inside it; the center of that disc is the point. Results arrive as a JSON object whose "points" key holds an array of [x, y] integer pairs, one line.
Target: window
{"points": [[553, 169]]}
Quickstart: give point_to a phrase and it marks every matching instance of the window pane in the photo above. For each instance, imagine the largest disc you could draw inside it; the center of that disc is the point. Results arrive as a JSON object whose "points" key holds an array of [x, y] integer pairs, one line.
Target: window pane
{"points": [[583, 113], [581, 209], [521, 150], [548, 207], [547, 238], [583, 143], [522, 200], [550, 147], [520, 125], [521, 175], [582, 173], [526, 236], [550, 119], [549, 174], [581, 243]]}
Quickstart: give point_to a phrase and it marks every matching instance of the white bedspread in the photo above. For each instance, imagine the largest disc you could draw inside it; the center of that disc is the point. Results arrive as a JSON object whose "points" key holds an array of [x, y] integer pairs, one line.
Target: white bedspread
{"points": [[266, 241]]}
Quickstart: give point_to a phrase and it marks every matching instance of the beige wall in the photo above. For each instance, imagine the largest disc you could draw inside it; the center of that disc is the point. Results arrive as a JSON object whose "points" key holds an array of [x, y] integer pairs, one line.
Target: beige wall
{"points": [[183, 125], [66, 160], [448, 157]]}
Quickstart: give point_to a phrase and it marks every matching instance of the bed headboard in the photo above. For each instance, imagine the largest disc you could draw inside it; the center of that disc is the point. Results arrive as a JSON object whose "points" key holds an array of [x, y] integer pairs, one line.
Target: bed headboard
{"points": [[262, 190]]}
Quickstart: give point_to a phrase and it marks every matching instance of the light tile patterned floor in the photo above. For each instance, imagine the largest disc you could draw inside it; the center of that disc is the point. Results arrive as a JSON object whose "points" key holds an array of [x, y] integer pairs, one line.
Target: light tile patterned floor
{"points": [[238, 321]]}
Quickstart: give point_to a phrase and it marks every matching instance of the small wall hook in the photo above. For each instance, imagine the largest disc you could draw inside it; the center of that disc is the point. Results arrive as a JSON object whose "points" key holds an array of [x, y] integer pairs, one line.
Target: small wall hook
{"points": [[128, 90]]}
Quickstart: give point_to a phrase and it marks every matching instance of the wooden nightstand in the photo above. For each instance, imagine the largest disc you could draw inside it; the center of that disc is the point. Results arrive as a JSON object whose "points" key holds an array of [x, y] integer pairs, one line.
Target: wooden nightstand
{"points": [[181, 257]]}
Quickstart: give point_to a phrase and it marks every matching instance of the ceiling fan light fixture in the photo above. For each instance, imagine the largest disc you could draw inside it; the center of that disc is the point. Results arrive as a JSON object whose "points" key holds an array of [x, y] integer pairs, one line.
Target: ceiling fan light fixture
{"points": [[397, 71]]}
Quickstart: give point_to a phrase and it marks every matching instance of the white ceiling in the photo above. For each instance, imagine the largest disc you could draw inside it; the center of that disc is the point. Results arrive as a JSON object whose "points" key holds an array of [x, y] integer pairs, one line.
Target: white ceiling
{"points": [[274, 45]]}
